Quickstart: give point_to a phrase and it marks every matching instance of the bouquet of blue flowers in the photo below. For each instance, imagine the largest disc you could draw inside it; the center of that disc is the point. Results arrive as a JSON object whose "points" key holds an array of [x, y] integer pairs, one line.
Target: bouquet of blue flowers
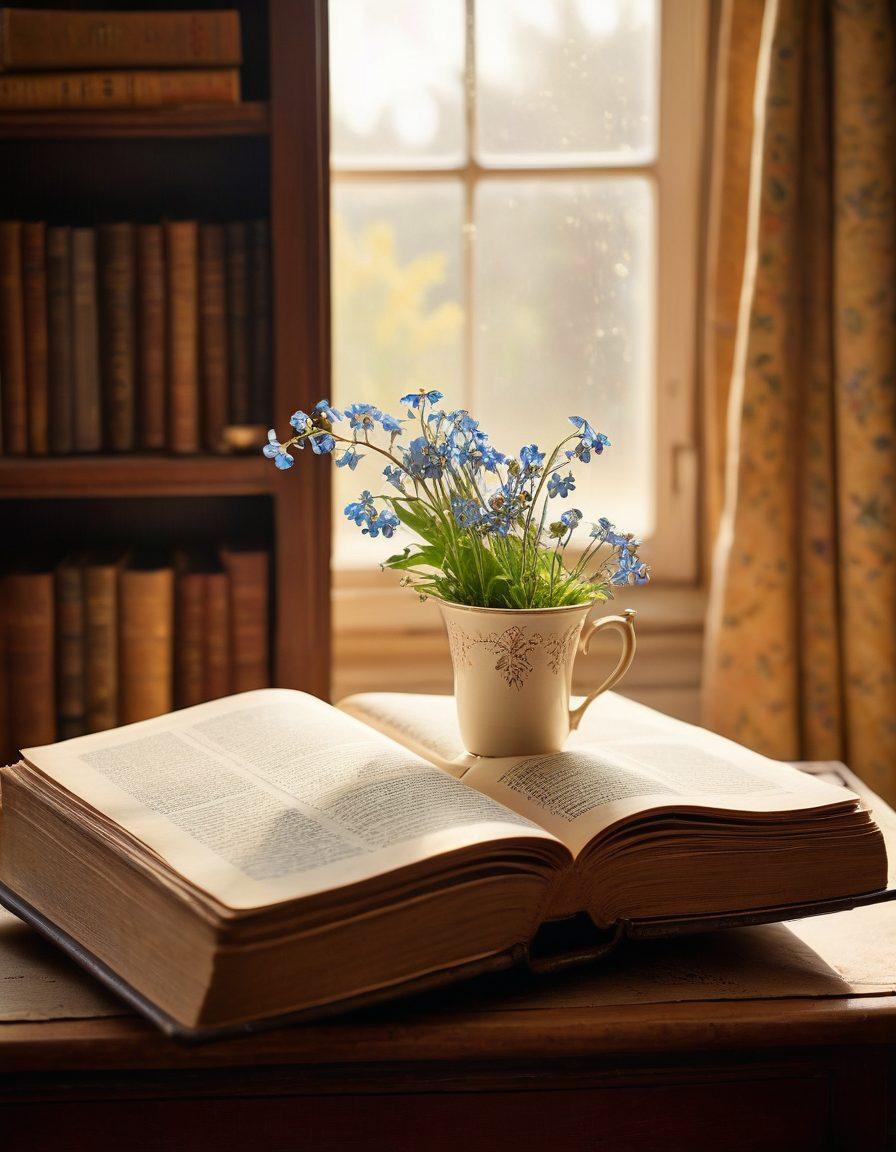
{"points": [[489, 528]]}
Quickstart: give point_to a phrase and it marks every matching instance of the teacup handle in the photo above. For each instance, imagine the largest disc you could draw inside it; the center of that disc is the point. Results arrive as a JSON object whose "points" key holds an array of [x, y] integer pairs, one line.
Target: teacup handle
{"points": [[625, 626]]}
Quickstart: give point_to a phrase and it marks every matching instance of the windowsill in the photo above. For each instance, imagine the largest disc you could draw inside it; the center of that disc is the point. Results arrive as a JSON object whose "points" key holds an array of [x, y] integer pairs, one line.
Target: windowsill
{"points": [[370, 601], [386, 640]]}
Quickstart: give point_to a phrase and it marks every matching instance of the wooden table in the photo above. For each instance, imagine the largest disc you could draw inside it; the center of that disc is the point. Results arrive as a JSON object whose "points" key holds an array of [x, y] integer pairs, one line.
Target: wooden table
{"points": [[498, 1064], [773, 1037]]}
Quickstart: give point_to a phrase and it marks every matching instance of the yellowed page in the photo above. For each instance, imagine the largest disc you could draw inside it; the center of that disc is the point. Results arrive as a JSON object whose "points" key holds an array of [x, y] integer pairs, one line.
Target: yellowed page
{"points": [[625, 760], [273, 795], [39, 982]]}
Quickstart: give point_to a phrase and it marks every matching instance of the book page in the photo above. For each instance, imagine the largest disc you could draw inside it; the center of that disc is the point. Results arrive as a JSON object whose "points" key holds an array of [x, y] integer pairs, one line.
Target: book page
{"points": [[273, 795], [428, 724], [39, 982], [624, 760]]}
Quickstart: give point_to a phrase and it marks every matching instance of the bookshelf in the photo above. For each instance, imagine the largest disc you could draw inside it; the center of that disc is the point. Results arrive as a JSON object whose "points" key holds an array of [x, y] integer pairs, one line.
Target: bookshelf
{"points": [[267, 157]]}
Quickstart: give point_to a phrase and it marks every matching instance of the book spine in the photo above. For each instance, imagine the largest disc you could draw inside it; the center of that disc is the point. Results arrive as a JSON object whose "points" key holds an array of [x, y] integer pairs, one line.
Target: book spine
{"points": [[34, 289], [33, 40], [59, 338], [189, 673], [12, 340], [249, 646], [183, 336], [88, 421], [70, 651], [98, 90], [238, 322], [216, 636], [151, 336], [117, 288], [213, 335], [101, 645], [28, 599], [260, 322], [146, 648]]}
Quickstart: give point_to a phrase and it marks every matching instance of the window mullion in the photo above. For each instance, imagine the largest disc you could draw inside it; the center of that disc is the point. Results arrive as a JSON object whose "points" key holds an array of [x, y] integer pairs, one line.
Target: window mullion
{"points": [[469, 235]]}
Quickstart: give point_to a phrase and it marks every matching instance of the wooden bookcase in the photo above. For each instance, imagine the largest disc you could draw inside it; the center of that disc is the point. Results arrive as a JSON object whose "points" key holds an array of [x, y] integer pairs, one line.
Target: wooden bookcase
{"points": [[266, 157]]}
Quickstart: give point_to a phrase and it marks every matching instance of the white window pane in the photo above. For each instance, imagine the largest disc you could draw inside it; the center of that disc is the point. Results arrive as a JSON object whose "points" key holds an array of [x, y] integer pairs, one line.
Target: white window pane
{"points": [[396, 83], [564, 290], [397, 307], [566, 81]]}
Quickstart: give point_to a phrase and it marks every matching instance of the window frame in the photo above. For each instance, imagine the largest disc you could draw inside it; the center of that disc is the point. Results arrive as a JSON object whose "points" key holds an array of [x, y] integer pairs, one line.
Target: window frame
{"points": [[676, 177]]}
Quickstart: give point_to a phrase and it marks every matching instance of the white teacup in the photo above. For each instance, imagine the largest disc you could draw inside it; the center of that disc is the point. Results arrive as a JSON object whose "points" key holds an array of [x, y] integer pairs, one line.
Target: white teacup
{"points": [[513, 673]]}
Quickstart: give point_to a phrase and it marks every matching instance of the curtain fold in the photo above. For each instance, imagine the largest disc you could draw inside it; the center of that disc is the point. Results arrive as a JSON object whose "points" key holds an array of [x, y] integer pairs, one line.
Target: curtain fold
{"points": [[801, 631]]}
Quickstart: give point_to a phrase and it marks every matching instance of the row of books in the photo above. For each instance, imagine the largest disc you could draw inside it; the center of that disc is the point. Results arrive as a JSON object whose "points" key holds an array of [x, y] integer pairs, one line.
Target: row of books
{"points": [[106, 638], [67, 59], [133, 337]]}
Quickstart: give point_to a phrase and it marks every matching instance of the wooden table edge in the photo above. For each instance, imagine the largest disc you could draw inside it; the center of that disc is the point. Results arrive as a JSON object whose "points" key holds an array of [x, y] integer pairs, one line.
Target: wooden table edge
{"points": [[524, 1034]]}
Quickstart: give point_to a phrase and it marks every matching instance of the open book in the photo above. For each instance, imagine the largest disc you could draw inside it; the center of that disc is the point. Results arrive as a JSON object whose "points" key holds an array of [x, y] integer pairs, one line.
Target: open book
{"points": [[269, 855]]}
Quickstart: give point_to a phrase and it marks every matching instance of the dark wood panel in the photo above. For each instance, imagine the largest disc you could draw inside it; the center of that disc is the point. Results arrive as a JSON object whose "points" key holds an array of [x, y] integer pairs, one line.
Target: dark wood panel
{"points": [[786, 1114], [161, 522], [64, 477], [147, 178], [300, 250]]}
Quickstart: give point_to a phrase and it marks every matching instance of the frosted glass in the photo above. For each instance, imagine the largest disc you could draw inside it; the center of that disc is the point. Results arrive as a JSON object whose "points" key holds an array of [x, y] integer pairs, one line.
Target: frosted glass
{"points": [[566, 81], [396, 83], [564, 305], [397, 298]]}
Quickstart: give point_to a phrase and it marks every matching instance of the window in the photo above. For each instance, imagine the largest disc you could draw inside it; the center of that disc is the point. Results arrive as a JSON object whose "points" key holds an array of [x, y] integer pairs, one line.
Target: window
{"points": [[515, 189]]}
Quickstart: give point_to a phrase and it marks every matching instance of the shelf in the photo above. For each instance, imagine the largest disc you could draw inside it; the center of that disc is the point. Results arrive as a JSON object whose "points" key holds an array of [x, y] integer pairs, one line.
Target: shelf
{"points": [[59, 477], [248, 119]]}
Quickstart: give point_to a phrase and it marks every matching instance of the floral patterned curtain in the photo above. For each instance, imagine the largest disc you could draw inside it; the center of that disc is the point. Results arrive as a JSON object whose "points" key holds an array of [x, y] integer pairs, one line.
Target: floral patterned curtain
{"points": [[801, 639]]}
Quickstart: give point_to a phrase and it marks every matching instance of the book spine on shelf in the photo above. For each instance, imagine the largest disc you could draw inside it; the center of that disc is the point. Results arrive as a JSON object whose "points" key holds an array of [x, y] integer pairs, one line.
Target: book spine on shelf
{"points": [[101, 644], [146, 615], [238, 321], [88, 417], [33, 40], [117, 318], [183, 336], [34, 290], [249, 623], [59, 338], [70, 650], [28, 601], [151, 341], [216, 636], [118, 90], [260, 323], [213, 335], [189, 616], [12, 341]]}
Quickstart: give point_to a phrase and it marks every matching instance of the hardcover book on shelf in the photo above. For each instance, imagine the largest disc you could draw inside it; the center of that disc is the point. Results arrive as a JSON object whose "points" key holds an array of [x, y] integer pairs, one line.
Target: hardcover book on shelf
{"points": [[34, 290], [151, 337], [146, 638], [12, 341], [59, 338], [181, 263], [58, 91], [86, 387], [34, 40], [101, 570], [213, 325], [71, 680], [27, 599], [248, 572], [117, 285], [267, 856]]}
